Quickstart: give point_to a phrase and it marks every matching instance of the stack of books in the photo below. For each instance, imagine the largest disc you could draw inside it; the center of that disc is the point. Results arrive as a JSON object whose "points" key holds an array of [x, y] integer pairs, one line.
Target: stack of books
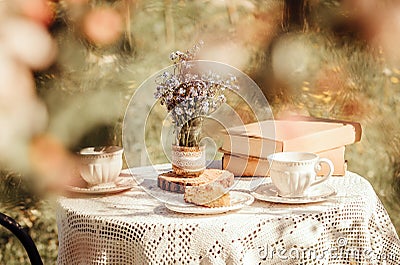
{"points": [[246, 148]]}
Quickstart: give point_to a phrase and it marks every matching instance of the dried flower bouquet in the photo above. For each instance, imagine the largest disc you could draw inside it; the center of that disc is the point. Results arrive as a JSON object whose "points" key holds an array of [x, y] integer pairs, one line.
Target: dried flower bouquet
{"points": [[190, 96]]}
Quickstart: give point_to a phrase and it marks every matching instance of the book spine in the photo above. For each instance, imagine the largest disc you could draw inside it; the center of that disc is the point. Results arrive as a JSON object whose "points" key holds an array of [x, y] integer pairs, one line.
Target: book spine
{"points": [[257, 139], [250, 146], [318, 142], [356, 125], [253, 166], [245, 167]]}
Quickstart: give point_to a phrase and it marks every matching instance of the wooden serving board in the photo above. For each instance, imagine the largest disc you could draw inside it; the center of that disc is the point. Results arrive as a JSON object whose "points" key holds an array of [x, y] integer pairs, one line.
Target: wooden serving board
{"points": [[170, 181]]}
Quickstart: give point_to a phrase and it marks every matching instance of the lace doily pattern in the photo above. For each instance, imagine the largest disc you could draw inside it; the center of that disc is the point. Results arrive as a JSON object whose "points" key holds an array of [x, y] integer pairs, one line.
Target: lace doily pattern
{"points": [[189, 158], [135, 228]]}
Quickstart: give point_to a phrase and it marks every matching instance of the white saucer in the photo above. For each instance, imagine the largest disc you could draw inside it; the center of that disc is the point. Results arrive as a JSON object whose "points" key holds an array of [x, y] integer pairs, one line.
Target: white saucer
{"points": [[268, 192], [238, 201], [121, 184]]}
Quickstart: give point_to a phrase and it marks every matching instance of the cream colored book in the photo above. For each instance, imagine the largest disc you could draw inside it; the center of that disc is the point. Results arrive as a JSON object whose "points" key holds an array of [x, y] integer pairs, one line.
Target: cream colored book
{"points": [[266, 137]]}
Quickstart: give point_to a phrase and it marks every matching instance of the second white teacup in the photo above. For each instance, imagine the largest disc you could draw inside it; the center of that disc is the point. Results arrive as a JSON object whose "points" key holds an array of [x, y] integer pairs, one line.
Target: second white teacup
{"points": [[294, 172]]}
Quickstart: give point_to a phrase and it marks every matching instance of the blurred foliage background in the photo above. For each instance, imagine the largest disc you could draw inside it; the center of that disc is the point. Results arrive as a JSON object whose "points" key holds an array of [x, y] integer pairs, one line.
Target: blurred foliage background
{"points": [[316, 57]]}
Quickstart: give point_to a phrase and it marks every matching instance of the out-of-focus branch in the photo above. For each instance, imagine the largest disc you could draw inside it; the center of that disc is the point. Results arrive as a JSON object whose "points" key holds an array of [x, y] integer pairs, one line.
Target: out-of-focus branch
{"points": [[295, 15]]}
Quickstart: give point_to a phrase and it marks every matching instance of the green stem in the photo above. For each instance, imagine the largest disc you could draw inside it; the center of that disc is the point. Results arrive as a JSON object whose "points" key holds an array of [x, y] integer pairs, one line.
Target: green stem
{"points": [[189, 134]]}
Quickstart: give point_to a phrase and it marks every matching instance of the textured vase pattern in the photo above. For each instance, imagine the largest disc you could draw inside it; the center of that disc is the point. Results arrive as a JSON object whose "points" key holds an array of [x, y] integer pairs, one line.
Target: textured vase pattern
{"points": [[188, 161]]}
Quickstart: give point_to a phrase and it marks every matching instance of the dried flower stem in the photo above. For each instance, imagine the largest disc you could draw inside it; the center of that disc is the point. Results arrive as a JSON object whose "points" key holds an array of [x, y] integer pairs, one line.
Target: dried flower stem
{"points": [[189, 96]]}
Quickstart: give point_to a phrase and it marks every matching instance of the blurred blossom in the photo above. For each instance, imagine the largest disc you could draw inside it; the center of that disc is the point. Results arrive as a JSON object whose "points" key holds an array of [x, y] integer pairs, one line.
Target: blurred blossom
{"points": [[25, 45], [17, 84], [388, 32], [18, 126], [260, 29], [33, 144], [3, 9], [22, 113], [247, 34], [52, 162], [294, 60], [103, 25], [378, 22], [366, 13], [37, 10], [233, 54], [29, 42]]}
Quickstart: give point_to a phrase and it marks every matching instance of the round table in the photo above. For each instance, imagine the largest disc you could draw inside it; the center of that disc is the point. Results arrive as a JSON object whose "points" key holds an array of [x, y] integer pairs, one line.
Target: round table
{"points": [[133, 227]]}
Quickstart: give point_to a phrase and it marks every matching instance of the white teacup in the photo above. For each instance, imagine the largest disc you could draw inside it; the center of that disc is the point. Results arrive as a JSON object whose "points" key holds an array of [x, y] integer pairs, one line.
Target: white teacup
{"points": [[100, 165], [294, 172]]}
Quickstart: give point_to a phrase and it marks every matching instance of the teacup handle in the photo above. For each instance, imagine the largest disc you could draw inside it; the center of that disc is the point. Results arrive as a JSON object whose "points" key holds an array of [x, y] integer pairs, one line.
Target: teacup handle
{"points": [[318, 167]]}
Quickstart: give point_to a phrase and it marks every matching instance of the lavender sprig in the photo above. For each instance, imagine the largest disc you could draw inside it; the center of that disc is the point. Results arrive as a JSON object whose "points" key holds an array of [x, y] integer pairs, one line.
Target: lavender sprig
{"points": [[188, 96]]}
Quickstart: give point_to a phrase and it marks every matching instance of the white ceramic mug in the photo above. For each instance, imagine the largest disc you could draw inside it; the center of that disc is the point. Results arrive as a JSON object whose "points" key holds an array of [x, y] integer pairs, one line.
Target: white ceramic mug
{"points": [[294, 172]]}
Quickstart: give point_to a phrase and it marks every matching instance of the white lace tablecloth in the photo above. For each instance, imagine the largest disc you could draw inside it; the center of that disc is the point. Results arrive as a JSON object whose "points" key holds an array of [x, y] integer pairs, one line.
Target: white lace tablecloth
{"points": [[132, 227]]}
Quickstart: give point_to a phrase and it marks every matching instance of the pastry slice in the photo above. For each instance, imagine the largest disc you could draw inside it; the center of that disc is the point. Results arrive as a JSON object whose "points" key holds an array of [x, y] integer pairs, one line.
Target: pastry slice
{"points": [[211, 194]]}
